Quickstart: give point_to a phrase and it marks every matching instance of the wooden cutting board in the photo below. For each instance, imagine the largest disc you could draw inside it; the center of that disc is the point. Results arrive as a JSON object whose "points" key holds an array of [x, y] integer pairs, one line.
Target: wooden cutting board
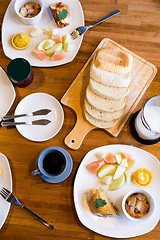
{"points": [[142, 75]]}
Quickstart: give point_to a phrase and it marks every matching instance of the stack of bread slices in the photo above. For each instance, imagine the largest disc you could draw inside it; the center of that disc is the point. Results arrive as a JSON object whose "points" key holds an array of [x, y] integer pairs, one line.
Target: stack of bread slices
{"points": [[108, 87]]}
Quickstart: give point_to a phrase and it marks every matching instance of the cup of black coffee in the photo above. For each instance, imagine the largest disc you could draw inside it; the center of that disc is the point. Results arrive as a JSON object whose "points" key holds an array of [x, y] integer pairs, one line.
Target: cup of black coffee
{"points": [[52, 162]]}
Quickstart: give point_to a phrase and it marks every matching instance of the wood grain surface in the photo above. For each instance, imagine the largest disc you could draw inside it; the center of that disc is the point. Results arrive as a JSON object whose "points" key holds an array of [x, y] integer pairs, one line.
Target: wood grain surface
{"points": [[137, 28]]}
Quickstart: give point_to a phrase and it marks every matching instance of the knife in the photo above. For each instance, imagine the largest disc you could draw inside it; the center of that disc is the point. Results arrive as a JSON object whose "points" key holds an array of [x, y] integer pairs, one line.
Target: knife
{"points": [[36, 113], [43, 122]]}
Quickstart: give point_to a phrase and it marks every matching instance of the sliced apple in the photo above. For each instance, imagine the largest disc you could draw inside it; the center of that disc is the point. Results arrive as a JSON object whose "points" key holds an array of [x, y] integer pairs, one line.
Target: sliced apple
{"points": [[118, 158], [56, 47], [124, 163], [107, 179], [68, 47], [128, 171], [119, 171], [107, 169], [101, 154], [45, 44], [115, 184]]}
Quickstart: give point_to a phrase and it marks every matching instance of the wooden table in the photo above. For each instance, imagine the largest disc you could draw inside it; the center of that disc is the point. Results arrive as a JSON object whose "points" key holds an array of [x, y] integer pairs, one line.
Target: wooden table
{"points": [[138, 29]]}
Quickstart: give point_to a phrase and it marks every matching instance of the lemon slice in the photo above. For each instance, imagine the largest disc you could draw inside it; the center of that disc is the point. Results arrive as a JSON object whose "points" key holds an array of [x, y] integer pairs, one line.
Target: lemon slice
{"points": [[20, 41], [142, 177]]}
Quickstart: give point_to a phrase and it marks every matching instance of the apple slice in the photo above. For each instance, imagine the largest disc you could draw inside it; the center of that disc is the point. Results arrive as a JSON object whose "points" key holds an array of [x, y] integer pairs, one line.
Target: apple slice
{"points": [[118, 158], [124, 163], [115, 184], [128, 171], [107, 179], [107, 169], [56, 47], [119, 171], [101, 154]]}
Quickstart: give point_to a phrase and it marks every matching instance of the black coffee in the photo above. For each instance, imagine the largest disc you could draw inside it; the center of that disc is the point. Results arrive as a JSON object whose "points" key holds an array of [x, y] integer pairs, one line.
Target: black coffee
{"points": [[54, 163]]}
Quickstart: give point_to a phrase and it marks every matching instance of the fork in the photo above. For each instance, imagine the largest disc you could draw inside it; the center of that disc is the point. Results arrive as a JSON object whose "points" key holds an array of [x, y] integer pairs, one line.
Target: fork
{"points": [[10, 197], [80, 30]]}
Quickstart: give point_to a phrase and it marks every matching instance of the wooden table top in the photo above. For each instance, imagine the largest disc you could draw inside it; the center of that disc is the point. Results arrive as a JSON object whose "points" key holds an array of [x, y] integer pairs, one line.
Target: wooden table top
{"points": [[137, 28]]}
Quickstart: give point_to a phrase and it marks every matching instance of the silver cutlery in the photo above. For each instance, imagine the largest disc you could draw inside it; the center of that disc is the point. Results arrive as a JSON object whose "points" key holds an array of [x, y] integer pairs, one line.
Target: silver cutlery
{"points": [[10, 197], [35, 113], [80, 30], [43, 122]]}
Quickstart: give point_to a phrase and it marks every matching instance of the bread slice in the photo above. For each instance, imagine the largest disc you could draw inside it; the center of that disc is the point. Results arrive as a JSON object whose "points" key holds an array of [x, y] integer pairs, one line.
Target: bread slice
{"points": [[107, 91], [109, 78], [98, 123], [104, 104], [111, 58], [101, 115], [100, 204]]}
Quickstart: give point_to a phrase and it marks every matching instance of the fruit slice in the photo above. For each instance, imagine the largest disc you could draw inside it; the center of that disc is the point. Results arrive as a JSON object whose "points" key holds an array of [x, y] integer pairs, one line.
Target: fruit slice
{"points": [[109, 158], [126, 156], [119, 171], [142, 177], [56, 47], [107, 179], [101, 154], [57, 38], [107, 169], [128, 171], [36, 32], [115, 184], [58, 56], [45, 44], [124, 163], [40, 53], [94, 166], [118, 158], [0, 171]]}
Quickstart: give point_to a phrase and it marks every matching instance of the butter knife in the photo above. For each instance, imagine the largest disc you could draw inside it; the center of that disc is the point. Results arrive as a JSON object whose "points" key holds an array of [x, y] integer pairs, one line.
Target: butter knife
{"points": [[36, 113], [43, 122]]}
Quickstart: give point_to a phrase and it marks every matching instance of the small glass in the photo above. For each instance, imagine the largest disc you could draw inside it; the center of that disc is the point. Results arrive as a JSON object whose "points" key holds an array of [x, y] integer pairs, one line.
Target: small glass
{"points": [[147, 122], [20, 72]]}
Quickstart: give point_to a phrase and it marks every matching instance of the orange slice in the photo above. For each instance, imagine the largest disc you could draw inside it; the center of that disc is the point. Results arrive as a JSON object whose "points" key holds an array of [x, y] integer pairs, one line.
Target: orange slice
{"points": [[20, 41], [142, 177]]}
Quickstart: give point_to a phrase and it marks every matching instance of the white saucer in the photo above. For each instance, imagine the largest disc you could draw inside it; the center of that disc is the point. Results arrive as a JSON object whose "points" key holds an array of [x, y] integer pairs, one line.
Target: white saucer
{"points": [[37, 101], [7, 93]]}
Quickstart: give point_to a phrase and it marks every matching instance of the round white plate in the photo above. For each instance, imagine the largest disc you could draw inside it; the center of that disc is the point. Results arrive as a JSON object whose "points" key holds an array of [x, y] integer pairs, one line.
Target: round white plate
{"points": [[34, 102], [120, 226], [12, 25], [7, 93], [5, 181]]}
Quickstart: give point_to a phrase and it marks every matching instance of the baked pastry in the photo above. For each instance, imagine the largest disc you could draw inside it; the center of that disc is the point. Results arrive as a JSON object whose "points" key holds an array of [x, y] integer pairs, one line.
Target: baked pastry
{"points": [[100, 204], [61, 14]]}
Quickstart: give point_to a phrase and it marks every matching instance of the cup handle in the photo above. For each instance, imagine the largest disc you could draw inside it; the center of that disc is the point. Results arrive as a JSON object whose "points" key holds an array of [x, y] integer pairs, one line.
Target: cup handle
{"points": [[35, 172]]}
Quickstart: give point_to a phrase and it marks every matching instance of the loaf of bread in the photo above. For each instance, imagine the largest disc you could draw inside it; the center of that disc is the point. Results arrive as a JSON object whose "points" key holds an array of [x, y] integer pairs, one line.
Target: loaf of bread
{"points": [[109, 86]]}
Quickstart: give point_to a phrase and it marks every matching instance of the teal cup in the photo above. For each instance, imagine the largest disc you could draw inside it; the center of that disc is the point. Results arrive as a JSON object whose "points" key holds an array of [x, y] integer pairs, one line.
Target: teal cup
{"points": [[20, 72]]}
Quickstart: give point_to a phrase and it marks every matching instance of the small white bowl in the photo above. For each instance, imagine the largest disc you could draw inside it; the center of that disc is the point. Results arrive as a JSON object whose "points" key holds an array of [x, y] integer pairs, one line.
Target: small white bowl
{"points": [[151, 203], [29, 21]]}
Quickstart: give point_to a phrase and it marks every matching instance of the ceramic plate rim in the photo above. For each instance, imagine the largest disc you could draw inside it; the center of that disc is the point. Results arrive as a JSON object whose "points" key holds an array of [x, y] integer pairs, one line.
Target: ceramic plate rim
{"points": [[10, 179], [83, 219], [58, 104]]}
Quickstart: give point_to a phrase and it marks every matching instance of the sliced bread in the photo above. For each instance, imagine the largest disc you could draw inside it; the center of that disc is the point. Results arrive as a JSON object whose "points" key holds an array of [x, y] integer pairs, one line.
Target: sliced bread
{"points": [[109, 78], [104, 104], [111, 58], [98, 123], [101, 115], [108, 91]]}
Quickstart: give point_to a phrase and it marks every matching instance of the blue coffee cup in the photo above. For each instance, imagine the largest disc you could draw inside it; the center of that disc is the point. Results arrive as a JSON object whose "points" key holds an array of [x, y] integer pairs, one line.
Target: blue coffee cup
{"points": [[53, 162]]}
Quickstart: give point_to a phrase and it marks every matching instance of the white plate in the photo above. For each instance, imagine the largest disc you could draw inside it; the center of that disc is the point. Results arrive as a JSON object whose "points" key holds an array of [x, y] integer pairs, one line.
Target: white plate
{"points": [[5, 181], [120, 226], [7, 93], [12, 25], [34, 102]]}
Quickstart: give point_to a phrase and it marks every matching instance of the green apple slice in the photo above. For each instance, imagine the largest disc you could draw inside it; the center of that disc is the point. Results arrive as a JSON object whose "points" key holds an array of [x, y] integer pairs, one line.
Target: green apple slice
{"points": [[128, 171], [118, 158], [107, 169], [124, 163], [119, 171], [115, 184], [48, 44], [56, 47], [107, 179]]}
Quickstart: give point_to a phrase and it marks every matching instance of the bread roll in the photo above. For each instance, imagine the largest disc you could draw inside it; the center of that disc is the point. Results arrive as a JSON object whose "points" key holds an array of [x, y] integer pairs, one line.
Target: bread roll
{"points": [[101, 115], [104, 104], [107, 91]]}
